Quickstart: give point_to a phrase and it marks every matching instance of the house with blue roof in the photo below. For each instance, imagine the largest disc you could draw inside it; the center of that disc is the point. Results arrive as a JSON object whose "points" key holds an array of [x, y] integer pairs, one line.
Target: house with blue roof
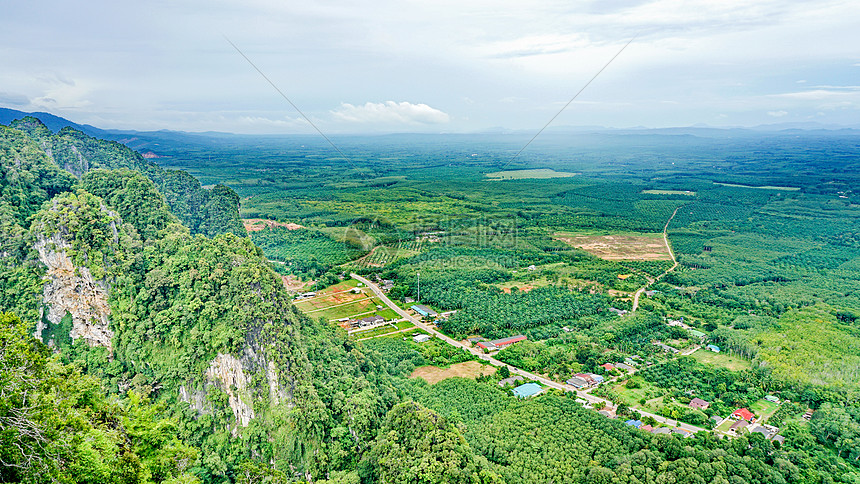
{"points": [[527, 390], [634, 423]]}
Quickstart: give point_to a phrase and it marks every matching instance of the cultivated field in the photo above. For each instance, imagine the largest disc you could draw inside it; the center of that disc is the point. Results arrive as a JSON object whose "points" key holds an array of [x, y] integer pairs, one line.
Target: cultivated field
{"points": [[468, 369], [620, 247], [541, 173], [338, 301]]}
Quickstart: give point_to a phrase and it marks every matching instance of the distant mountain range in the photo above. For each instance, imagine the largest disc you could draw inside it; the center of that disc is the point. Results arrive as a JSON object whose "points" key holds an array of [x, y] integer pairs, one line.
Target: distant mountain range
{"points": [[140, 139]]}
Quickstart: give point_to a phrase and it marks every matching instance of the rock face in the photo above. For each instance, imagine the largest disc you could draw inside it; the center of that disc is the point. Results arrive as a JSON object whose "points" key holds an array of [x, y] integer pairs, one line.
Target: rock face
{"points": [[73, 290], [230, 375], [226, 370]]}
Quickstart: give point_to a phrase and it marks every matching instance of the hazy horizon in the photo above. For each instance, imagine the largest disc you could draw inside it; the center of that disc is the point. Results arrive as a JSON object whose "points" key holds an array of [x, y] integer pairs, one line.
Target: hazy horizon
{"points": [[433, 67]]}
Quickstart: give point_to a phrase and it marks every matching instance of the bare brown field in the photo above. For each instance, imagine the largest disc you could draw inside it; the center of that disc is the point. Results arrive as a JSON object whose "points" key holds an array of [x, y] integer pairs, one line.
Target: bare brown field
{"points": [[620, 247], [257, 224], [468, 369], [293, 284]]}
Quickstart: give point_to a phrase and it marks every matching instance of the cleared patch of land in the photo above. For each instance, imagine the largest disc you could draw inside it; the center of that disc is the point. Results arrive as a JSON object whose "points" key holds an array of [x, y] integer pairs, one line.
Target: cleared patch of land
{"points": [[294, 285], [468, 369], [540, 173], [401, 328], [257, 224], [669, 192], [338, 301], [731, 362], [764, 409], [620, 247], [764, 187]]}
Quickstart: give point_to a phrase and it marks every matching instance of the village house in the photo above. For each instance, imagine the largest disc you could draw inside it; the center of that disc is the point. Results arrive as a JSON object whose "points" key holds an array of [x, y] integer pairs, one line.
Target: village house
{"points": [[577, 382], [498, 344], [699, 404], [424, 311], [737, 426], [743, 414], [666, 348], [511, 380]]}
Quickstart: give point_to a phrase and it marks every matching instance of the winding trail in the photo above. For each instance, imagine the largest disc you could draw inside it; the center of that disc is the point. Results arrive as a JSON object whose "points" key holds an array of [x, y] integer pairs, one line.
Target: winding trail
{"points": [[519, 371], [671, 254]]}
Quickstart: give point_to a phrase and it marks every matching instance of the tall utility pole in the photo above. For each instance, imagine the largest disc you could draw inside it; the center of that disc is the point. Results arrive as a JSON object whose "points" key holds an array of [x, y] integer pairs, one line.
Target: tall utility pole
{"points": [[419, 286]]}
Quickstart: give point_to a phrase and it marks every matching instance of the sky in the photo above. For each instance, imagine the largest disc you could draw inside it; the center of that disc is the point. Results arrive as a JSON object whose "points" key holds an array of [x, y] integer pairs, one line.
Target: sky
{"points": [[432, 66]]}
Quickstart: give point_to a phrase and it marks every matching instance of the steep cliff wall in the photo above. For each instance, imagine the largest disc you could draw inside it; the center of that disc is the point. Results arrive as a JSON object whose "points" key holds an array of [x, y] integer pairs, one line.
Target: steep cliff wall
{"points": [[231, 375], [73, 290]]}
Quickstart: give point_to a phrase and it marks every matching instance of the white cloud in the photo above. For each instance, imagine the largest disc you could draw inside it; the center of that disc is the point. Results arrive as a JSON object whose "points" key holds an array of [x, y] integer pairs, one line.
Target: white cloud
{"points": [[390, 112], [777, 114], [817, 94]]}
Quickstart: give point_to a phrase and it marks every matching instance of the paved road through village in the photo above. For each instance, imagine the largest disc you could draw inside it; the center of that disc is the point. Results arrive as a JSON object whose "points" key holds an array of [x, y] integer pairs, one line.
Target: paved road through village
{"points": [[489, 359]]}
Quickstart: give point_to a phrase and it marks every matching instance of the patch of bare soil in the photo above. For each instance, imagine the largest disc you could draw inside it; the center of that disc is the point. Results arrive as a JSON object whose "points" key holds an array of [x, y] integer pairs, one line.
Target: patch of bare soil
{"points": [[468, 369], [257, 224], [293, 284], [620, 247]]}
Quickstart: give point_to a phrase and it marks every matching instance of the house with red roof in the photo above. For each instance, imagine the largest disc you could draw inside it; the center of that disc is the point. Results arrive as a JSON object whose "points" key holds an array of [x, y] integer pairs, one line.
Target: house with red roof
{"points": [[743, 414], [608, 366], [498, 344]]}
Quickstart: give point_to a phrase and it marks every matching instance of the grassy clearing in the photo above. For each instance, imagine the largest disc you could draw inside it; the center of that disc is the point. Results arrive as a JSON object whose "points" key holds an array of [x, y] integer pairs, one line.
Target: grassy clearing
{"points": [[724, 427], [632, 396], [620, 247], [764, 409], [725, 360], [669, 192], [388, 329], [540, 173], [468, 369]]}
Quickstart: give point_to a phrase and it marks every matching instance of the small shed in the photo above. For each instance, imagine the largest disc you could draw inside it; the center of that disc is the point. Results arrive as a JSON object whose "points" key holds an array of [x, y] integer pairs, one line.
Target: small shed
{"points": [[421, 338], [714, 348], [771, 398]]}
